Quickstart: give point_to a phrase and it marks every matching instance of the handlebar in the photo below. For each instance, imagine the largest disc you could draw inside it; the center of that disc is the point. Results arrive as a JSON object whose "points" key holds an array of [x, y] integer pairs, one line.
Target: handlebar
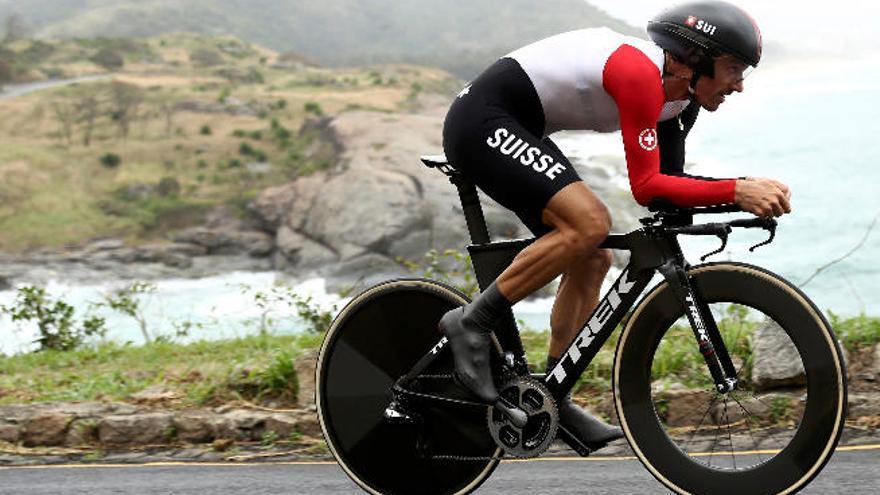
{"points": [[664, 207], [723, 229]]}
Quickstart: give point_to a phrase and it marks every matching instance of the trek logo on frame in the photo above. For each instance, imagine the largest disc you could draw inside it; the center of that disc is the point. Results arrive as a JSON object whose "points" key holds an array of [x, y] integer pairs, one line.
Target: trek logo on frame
{"points": [[588, 334]]}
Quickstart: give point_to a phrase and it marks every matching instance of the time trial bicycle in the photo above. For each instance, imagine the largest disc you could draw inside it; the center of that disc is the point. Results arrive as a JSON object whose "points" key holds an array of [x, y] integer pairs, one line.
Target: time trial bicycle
{"points": [[398, 423]]}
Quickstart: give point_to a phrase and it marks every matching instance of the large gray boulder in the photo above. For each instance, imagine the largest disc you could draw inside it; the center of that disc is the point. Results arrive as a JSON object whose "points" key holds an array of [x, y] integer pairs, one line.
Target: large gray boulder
{"points": [[380, 203], [777, 362]]}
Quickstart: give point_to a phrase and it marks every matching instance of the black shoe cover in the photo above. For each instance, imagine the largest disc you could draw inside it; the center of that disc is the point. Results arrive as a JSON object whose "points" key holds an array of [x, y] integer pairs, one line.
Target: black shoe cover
{"points": [[591, 431], [470, 349]]}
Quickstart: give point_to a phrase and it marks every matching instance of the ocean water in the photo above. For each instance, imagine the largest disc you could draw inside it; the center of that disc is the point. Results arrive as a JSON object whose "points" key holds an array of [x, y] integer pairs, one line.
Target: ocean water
{"points": [[812, 126]]}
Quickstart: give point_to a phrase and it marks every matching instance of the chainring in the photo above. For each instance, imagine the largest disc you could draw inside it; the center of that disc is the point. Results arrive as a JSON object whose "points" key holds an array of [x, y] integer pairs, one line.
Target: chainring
{"points": [[532, 397]]}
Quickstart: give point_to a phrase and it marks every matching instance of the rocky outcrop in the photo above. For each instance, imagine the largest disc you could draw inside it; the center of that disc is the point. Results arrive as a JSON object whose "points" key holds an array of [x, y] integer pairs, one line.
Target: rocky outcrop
{"points": [[381, 203], [353, 222], [776, 362]]}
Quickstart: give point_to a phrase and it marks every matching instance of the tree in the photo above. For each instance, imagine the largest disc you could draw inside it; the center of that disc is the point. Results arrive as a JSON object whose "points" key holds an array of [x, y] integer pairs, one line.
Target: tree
{"points": [[168, 109], [126, 99], [129, 301], [66, 114], [87, 110]]}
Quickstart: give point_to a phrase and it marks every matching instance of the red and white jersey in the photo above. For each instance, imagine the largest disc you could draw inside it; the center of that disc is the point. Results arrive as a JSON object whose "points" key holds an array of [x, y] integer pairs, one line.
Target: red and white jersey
{"points": [[601, 80]]}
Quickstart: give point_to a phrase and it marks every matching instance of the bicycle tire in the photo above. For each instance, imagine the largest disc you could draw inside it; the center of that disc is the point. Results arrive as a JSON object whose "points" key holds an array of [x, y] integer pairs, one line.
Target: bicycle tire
{"points": [[815, 430], [373, 341]]}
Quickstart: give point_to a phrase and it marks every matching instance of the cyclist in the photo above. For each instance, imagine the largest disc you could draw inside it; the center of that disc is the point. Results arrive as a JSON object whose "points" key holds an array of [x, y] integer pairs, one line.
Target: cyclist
{"points": [[496, 133]]}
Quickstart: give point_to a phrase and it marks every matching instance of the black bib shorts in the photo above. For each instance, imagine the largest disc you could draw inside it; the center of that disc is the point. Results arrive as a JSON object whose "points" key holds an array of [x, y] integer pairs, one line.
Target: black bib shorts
{"points": [[493, 135]]}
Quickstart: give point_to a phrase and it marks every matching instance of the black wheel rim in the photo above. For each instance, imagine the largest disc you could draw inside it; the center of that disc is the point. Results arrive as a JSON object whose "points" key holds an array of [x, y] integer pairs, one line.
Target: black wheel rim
{"points": [[769, 472]]}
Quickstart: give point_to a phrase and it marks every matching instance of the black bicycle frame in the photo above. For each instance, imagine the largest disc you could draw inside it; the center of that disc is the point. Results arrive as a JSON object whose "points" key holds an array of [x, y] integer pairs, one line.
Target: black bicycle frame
{"points": [[653, 248]]}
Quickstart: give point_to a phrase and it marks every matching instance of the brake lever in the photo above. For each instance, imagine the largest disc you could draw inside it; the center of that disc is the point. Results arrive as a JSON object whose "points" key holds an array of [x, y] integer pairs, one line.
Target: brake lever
{"points": [[768, 224], [723, 236]]}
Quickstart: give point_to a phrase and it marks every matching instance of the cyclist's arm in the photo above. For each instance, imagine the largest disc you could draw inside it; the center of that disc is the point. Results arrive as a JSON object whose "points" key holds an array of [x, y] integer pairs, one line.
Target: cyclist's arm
{"points": [[671, 135], [635, 84]]}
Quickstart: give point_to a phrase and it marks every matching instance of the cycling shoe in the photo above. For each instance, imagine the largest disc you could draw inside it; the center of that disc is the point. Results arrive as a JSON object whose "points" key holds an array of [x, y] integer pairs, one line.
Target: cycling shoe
{"points": [[470, 348], [591, 431]]}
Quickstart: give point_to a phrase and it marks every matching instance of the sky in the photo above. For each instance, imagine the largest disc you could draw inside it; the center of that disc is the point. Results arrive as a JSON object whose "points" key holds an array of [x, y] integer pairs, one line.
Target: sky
{"points": [[843, 27]]}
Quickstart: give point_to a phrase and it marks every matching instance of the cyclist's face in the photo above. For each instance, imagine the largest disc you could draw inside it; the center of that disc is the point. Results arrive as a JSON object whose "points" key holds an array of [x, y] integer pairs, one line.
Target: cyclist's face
{"points": [[729, 75]]}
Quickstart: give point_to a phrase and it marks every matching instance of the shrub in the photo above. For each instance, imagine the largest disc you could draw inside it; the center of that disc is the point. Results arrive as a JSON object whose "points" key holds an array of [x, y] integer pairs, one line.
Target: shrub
{"points": [[245, 149], [205, 57], [314, 108], [857, 332], [224, 95], [111, 160], [451, 267], [206, 130], [108, 59], [54, 319], [168, 186]]}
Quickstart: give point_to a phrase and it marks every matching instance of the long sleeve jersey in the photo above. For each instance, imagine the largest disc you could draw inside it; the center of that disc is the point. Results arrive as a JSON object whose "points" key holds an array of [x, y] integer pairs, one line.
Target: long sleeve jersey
{"points": [[600, 80]]}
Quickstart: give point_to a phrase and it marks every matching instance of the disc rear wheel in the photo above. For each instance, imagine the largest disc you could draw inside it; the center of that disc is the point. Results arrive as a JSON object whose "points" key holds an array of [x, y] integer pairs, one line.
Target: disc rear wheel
{"points": [[376, 339]]}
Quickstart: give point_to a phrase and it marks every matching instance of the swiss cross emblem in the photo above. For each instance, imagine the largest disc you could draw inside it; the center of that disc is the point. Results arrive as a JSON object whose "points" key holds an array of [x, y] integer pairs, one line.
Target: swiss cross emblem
{"points": [[648, 139], [691, 20]]}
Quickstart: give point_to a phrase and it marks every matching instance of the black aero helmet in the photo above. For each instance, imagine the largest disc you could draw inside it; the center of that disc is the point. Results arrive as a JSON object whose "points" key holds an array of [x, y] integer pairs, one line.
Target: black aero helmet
{"points": [[696, 33]]}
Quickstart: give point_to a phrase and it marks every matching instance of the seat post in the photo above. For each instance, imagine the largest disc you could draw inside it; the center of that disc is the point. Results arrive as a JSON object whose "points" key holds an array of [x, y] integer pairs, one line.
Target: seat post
{"points": [[473, 211]]}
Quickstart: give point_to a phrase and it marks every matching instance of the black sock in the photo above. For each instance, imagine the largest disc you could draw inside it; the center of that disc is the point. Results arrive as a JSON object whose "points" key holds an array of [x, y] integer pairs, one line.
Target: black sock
{"points": [[487, 308]]}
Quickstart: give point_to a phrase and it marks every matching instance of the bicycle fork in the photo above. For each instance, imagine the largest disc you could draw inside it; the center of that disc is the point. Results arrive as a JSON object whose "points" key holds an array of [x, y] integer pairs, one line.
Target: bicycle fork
{"points": [[702, 323]]}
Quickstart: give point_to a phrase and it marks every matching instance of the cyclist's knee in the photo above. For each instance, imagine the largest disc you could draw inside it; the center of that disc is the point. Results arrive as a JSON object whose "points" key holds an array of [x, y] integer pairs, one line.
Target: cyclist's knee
{"points": [[590, 233], [601, 260]]}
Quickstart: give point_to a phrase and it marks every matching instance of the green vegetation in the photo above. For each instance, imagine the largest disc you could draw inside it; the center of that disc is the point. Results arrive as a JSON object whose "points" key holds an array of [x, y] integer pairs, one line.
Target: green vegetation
{"points": [[257, 368], [57, 327], [856, 333], [451, 267], [261, 367], [111, 160], [148, 150]]}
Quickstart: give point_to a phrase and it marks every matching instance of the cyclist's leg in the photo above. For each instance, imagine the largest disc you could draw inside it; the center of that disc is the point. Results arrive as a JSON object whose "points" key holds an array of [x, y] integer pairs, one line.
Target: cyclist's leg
{"points": [[576, 298], [578, 223], [492, 134]]}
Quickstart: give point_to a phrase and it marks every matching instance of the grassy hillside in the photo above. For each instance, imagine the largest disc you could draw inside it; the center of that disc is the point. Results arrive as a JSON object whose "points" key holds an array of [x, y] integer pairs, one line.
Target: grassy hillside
{"points": [[188, 122], [458, 35]]}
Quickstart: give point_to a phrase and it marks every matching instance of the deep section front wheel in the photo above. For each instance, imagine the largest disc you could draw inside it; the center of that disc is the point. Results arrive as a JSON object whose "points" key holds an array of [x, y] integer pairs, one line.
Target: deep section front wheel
{"points": [[776, 430], [376, 339]]}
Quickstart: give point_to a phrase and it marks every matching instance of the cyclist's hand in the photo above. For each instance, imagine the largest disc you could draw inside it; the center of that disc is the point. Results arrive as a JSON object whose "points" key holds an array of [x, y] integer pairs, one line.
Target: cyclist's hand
{"points": [[763, 197]]}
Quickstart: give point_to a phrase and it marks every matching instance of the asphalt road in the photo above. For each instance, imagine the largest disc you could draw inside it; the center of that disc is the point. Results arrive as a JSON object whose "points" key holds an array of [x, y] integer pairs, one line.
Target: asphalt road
{"points": [[852, 472]]}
